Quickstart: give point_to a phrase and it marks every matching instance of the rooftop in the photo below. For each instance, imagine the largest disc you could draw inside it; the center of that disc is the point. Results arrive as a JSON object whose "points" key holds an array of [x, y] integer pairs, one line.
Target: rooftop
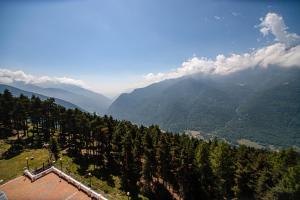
{"points": [[51, 184]]}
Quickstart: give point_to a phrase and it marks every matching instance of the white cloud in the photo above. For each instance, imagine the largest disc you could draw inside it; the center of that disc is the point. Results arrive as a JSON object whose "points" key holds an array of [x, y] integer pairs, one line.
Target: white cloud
{"points": [[9, 76], [274, 24], [235, 14], [276, 54], [217, 17], [285, 52]]}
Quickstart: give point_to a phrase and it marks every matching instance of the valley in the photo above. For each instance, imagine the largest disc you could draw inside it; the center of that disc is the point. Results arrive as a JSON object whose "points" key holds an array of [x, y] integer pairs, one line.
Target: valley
{"points": [[261, 105]]}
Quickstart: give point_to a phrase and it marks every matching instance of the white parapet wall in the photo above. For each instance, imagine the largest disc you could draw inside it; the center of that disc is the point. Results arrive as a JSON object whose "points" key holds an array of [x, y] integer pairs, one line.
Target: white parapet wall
{"points": [[68, 178]]}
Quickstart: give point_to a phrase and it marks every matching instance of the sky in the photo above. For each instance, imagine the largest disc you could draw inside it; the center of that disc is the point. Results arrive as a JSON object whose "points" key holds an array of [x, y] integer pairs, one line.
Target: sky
{"points": [[113, 46]]}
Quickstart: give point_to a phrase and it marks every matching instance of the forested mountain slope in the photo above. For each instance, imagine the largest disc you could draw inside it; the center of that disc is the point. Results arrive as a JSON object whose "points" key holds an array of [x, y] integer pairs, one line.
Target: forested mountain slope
{"points": [[260, 104]]}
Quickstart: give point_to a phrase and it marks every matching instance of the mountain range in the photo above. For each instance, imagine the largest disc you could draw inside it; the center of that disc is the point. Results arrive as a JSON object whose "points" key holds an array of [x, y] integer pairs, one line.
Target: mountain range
{"points": [[260, 104], [83, 98], [17, 92]]}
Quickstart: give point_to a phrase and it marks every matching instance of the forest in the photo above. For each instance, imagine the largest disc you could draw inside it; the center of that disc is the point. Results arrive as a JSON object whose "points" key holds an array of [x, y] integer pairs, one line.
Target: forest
{"points": [[148, 160]]}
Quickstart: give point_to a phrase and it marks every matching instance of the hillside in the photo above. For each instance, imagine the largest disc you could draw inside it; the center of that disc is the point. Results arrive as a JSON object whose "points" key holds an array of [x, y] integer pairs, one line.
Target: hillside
{"points": [[86, 99], [258, 104], [270, 115], [17, 92]]}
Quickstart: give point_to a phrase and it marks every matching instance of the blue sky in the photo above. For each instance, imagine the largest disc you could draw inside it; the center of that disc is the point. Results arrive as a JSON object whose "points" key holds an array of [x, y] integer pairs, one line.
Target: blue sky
{"points": [[112, 44]]}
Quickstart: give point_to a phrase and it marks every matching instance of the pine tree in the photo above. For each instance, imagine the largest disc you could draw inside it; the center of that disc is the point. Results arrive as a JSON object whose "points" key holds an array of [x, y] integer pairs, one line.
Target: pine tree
{"points": [[35, 114], [163, 158], [7, 108], [242, 176], [204, 172], [128, 176], [54, 148], [20, 114], [48, 118], [222, 168]]}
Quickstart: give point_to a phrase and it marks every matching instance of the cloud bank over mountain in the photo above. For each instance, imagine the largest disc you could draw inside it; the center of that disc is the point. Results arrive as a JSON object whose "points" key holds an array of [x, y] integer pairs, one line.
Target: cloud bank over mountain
{"points": [[8, 76], [284, 52], [274, 24]]}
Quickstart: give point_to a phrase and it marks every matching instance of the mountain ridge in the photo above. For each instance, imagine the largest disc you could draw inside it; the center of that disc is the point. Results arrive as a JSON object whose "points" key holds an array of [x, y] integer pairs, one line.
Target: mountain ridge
{"points": [[86, 99], [17, 92], [224, 105]]}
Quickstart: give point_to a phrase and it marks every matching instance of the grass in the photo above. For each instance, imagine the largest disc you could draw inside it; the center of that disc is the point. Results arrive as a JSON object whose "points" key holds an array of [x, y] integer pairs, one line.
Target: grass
{"points": [[249, 143], [3, 147], [14, 167]]}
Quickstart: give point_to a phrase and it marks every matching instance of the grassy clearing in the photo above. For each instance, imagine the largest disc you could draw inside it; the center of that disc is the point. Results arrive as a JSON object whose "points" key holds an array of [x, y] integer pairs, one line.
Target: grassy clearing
{"points": [[13, 167], [249, 143], [3, 147]]}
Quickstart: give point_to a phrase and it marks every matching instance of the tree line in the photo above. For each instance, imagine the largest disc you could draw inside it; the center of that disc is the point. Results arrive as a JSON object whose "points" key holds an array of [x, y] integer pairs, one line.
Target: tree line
{"points": [[148, 160]]}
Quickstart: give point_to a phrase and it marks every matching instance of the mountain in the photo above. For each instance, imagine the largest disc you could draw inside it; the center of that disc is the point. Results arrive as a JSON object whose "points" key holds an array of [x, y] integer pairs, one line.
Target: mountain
{"points": [[86, 99], [17, 92], [260, 104]]}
